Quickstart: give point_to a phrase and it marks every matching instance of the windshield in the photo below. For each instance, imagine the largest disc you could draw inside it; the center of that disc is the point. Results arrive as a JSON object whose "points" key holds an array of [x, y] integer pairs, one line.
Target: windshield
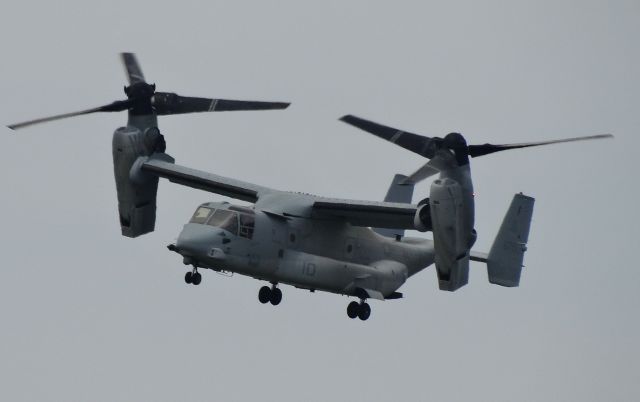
{"points": [[201, 215], [225, 219]]}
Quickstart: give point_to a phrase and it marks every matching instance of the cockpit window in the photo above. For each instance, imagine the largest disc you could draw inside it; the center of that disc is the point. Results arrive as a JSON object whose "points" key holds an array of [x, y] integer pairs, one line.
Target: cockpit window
{"points": [[201, 215], [226, 220]]}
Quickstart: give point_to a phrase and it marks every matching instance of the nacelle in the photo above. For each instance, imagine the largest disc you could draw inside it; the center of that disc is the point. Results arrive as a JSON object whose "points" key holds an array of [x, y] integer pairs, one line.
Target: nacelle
{"points": [[451, 240], [136, 191]]}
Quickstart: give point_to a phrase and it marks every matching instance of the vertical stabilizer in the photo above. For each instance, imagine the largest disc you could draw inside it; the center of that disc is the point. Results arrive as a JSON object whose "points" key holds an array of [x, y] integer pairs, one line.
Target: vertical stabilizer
{"points": [[504, 262], [397, 193]]}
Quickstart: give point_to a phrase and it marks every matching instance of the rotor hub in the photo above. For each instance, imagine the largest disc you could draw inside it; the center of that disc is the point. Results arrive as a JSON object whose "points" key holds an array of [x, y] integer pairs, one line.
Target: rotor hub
{"points": [[140, 95], [140, 90], [454, 141]]}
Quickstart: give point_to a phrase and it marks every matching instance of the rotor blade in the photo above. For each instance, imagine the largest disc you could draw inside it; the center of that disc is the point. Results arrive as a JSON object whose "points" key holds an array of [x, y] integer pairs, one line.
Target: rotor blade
{"points": [[132, 68], [116, 106], [485, 149], [169, 103], [427, 170], [419, 144], [442, 160]]}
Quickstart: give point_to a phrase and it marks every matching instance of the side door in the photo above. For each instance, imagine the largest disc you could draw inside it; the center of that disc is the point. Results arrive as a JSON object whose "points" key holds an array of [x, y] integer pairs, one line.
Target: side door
{"points": [[247, 224]]}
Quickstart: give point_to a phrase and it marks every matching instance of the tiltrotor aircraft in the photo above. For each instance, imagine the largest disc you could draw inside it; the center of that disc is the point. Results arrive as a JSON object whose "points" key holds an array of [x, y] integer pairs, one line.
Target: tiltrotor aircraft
{"points": [[348, 247]]}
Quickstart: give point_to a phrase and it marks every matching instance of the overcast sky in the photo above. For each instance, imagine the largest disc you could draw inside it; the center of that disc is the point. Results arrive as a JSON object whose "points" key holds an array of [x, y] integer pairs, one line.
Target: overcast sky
{"points": [[87, 315]]}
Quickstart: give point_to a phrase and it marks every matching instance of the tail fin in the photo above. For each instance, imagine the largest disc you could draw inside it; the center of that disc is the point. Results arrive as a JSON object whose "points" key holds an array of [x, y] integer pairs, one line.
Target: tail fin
{"points": [[397, 192], [504, 262]]}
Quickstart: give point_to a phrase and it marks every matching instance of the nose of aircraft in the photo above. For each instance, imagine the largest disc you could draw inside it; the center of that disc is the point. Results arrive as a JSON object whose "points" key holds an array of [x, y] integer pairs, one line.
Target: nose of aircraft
{"points": [[198, 240]]}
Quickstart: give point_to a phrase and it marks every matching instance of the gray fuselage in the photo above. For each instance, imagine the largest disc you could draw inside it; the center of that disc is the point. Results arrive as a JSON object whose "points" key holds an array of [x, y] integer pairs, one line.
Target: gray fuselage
{"points": [[328, 255]]}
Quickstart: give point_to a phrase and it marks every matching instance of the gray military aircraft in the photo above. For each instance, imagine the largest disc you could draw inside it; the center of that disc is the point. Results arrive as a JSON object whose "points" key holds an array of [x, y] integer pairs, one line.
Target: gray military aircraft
{"points": [[348, 247]]}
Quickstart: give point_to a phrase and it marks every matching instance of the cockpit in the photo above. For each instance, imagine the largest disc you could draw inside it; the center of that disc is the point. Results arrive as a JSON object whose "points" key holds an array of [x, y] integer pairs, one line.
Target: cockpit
{"points": [[239, 221]]}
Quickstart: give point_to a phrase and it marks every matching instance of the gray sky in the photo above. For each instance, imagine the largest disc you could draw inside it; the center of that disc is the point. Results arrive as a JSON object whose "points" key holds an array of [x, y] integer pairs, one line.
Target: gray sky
{"points": [[89, 315]]}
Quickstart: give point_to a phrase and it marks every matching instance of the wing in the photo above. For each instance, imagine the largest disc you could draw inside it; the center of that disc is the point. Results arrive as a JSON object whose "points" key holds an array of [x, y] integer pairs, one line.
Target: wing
{"points": [[358, 213], [204, 181], [390, 215]]}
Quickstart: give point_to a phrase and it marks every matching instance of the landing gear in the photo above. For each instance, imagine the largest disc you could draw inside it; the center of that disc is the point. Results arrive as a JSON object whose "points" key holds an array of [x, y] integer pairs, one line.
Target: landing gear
{"points": [[276, 296], [271, 295], [264, 295], [361, 310], [352, 309], [365, 311], [193, 277]]}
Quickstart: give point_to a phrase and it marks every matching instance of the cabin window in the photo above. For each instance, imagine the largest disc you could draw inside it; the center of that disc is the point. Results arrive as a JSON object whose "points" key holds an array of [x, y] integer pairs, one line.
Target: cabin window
{"points": [[247, 223], [201, 215], [226, 220]]}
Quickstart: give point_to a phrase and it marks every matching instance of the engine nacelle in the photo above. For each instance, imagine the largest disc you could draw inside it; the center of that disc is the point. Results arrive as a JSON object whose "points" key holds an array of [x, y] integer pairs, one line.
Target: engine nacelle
{"points": [[136, 192], [449, 235], [422, 218]]}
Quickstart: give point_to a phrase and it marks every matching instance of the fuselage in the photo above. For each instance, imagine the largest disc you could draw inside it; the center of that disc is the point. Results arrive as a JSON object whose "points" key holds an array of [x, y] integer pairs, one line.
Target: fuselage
{"points": [[315, 254]]}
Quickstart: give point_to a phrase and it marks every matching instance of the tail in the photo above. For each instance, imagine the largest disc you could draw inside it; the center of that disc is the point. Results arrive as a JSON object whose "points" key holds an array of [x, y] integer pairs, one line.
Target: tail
{"points": [[504, 261], [398, 192]]}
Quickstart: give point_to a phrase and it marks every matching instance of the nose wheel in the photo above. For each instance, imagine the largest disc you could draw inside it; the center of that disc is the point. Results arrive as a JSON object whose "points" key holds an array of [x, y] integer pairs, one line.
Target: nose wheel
{"points": [[361, 310], [271, 295], [193, 277]]}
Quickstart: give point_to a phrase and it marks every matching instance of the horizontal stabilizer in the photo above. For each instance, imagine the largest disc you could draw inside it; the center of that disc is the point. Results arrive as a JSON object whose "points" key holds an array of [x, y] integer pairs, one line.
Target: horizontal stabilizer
{"points": [[504, 262], [478, 256]]}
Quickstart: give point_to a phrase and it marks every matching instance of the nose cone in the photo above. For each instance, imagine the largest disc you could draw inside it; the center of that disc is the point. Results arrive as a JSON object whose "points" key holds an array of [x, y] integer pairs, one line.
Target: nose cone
{"points": [[198, 240]]}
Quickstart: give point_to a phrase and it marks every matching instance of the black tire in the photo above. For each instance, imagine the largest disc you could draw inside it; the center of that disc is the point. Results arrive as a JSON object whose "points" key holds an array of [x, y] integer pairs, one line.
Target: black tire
{"points": [[264, 295], [196, 278], [364, 311], [352, 309], [188, 277], [276, 296]]}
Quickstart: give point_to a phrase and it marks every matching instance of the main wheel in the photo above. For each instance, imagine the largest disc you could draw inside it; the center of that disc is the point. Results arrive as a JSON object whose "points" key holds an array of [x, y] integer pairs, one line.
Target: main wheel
{"points": [[364, 311], [352, 309], [276, 296], [188, 277], [196, 278], [264, 295]]}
